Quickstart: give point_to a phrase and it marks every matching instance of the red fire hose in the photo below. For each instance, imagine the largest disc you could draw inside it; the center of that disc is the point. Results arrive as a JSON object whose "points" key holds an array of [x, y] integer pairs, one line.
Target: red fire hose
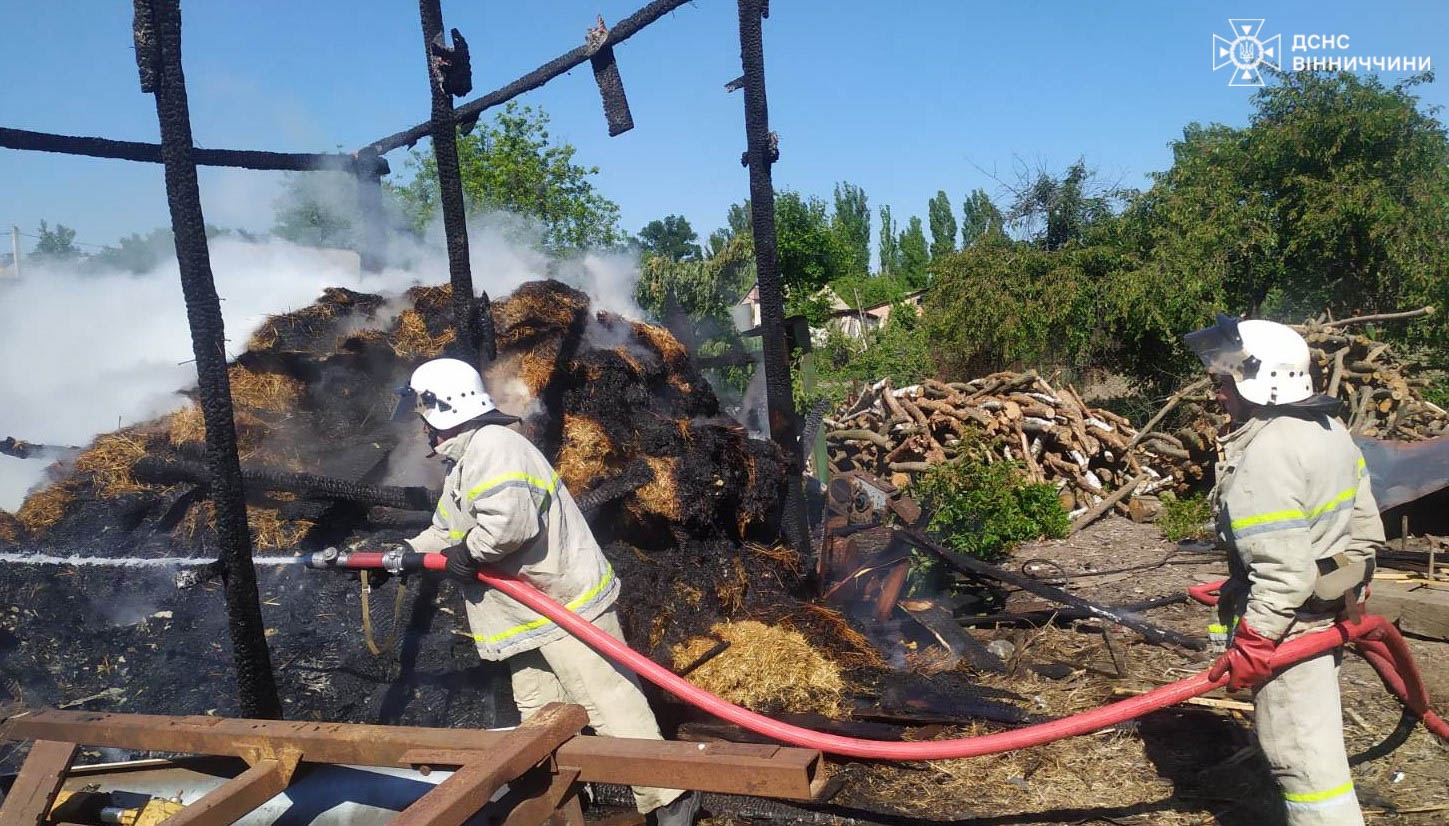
{"points": [[1379, 641]]}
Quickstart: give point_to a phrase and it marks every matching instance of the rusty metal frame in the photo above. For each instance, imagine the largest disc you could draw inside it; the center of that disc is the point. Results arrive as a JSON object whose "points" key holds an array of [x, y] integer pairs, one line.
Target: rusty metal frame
{"points": [[541, 761]]}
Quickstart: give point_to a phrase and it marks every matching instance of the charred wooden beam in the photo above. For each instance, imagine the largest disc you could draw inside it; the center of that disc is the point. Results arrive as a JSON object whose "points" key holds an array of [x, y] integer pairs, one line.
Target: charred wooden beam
{"points": [[159, 23], [443, 81], [306, 485], [467, 115], [24, 139], [761, 153], [606, 75]]}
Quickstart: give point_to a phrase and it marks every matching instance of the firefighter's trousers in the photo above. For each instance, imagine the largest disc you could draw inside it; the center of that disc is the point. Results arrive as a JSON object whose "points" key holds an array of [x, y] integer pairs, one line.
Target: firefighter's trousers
{"points": [[568, 671]]}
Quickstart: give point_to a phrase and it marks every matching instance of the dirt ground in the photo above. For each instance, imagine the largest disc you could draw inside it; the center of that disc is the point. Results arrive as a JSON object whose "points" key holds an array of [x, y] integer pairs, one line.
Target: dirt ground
{"points": [[1188, 765]]}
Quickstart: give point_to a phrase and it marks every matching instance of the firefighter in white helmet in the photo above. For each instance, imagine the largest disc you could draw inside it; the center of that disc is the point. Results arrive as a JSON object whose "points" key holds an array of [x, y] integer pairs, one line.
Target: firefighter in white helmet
{"points": [[504, 506], [1293, 505]]}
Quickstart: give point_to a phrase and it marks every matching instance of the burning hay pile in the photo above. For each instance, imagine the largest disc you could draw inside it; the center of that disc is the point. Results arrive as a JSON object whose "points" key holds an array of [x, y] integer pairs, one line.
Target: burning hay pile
{"points": [[1087, 453], [672, 489]]}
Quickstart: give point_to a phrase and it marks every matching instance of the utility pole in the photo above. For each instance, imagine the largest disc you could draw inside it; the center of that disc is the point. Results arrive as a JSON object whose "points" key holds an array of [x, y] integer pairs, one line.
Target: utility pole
{"points": [[15, 249]]}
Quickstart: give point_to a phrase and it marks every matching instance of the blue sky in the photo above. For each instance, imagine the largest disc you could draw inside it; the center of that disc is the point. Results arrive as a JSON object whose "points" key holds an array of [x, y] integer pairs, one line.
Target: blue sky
{"points": [[906, 101]]}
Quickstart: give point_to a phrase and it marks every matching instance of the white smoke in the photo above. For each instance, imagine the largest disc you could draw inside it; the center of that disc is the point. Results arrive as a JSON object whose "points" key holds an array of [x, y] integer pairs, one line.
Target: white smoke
{"points": [[84, 353]]}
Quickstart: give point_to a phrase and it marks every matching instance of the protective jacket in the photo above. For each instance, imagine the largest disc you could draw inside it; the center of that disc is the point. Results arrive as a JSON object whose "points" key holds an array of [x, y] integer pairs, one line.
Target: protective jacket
{"points": [[503, 500], [1294, 506]]}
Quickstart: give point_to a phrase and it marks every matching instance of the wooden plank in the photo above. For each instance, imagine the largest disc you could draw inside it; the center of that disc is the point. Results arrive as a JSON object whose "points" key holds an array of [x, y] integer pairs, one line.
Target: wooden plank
{"points": [[766, 771], [39, 781], [232, 800], [1416, 610], [458, 798]]}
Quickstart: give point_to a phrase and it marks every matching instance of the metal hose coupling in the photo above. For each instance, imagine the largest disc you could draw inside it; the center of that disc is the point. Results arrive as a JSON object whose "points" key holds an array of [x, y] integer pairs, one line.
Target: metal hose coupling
{"points": [[394, 560], [329, 557]]}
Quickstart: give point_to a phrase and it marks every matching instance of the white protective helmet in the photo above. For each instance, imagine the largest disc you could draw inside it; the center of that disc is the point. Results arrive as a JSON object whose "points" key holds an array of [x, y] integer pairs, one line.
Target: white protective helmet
{"points": [[1268, 362], [448, 392]]}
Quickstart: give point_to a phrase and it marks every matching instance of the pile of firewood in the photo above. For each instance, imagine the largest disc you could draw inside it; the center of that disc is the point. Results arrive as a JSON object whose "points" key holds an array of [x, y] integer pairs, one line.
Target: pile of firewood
{"points": [[1380, 400], [1089, 454]]}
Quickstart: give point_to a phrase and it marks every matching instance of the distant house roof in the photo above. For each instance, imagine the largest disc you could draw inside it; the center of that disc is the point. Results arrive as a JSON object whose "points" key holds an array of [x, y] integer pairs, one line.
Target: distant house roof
{"points": [[883, 308]]}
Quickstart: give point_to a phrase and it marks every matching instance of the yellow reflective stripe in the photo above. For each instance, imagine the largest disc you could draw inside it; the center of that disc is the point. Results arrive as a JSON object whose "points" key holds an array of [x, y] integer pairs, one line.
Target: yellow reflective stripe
{"points": [[1216, 628], [549, 486], [442, 511], [1318, 797], [1343, 496], [1285, 515], [457, 534], [542, 621], [1265, 518]]}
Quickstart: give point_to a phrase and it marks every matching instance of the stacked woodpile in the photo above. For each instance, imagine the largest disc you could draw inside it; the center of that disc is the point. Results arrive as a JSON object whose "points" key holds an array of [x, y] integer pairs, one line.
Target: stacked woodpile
{"points": [[1381, 400], [1087, 453]]}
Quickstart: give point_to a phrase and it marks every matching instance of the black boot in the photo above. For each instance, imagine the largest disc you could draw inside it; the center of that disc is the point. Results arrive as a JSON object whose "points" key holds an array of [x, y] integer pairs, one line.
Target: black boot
{"points": [[681, 812]]}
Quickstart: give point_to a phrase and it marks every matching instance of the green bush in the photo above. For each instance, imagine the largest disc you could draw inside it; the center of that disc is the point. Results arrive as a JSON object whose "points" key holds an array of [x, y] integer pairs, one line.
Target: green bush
{"points": [[1185, 518], [982, 510]]}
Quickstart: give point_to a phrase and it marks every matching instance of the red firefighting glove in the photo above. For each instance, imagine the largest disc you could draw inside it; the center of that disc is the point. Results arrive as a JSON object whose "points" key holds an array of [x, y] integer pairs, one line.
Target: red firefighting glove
{"points": [[461, 564], [1246, 662]]}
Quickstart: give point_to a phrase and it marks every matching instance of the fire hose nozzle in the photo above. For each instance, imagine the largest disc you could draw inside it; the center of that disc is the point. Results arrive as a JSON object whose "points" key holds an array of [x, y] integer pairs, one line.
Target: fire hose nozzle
{"points": [[325, 558]]}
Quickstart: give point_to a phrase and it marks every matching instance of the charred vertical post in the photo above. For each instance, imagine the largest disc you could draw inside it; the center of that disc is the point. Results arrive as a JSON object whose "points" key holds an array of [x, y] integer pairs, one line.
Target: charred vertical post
{"points": [[450, 73], [761, 152], [158, 55], [372, 235]]}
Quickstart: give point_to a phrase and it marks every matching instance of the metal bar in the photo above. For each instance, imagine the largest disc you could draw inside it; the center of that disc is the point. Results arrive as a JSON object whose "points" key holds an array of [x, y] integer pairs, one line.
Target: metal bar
{"points": [[468, 113], [228, 802], [40, 778], [470, 788], [541, 794], [26, 140], [256, 685], [727, 768]]}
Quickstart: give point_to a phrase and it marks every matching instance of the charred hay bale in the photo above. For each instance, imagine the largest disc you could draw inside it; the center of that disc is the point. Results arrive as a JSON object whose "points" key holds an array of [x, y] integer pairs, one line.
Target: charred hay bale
{"points": [[538, 310], [269, 530], [12, 530], [107, 462], [767, 668], [587, 455], [669, 595], [187, 426], [44, 508], [693, 395], [315, 328], [411, 338]]}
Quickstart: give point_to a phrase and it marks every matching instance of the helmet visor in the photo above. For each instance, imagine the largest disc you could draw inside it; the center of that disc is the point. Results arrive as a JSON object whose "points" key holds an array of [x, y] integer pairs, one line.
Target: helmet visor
{"points": [[1220, 349]]}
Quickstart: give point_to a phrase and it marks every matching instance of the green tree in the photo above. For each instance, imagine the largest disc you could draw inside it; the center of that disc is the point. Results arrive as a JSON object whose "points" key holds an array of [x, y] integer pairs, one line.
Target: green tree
{"points": [[513, 164], [851, 228], [914, 253], [672, 238], [804, 241], [55, 244], [980, 219], [689, 291], [890, 245], [943, 226], [1336, 196], [1054, 211], [318, 209]]}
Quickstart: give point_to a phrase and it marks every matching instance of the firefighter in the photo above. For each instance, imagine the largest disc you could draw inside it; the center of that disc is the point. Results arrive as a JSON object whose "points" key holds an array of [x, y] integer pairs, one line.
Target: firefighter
{"points": [[504, 506], [1293, 505]]}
